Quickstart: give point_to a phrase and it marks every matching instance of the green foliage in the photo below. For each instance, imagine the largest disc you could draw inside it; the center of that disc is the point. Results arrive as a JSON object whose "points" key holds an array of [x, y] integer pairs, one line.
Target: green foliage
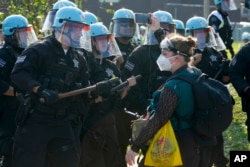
{"points": [[34, 10]]}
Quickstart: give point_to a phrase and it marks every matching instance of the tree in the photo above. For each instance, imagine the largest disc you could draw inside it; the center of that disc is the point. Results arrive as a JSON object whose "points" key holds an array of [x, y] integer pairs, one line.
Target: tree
{"points": [[34, 10]]}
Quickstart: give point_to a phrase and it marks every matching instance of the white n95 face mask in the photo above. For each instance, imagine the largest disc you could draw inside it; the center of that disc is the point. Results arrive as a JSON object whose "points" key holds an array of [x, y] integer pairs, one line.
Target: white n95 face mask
{"points": [[163, 63]]}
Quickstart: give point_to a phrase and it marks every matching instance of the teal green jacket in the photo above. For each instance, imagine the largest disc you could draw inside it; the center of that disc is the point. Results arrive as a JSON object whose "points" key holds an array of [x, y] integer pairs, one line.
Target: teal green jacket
{"points": [[181, 118]]}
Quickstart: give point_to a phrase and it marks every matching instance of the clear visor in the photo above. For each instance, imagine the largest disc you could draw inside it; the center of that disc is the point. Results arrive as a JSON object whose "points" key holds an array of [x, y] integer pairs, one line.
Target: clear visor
{"points": [[123, 28], [219, 43], [25, 36], [205, 37], [228, 5], [47, 25], [168, 28], [106, 46], [74, 35], [151, 39]]}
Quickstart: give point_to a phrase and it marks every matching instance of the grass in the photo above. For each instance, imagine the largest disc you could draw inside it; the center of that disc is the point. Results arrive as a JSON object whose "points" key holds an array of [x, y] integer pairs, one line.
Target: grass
{"points": [[236, 135]]}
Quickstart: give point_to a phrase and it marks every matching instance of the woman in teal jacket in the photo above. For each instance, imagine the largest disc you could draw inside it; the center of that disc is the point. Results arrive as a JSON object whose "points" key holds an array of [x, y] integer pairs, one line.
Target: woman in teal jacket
{"points": [[176, 98]]}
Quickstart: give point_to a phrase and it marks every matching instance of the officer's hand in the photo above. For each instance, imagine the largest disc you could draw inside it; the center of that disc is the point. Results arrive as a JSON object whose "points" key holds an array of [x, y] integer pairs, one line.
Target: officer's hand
{"points": [[103, 88], [47, 96]]}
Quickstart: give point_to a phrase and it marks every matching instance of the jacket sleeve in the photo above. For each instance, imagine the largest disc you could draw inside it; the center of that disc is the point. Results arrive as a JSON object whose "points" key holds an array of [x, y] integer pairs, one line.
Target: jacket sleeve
{"points": [[26, 69], [239, 70]]}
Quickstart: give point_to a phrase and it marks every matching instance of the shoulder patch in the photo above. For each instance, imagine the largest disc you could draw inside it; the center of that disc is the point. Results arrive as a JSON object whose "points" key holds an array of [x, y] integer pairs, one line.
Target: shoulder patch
{"points": [[2, 63], [20, 59], [129, 66]]}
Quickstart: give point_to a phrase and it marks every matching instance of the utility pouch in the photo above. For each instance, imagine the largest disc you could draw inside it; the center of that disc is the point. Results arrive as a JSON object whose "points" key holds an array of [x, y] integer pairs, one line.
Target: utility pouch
{"points": [[24, 109]]}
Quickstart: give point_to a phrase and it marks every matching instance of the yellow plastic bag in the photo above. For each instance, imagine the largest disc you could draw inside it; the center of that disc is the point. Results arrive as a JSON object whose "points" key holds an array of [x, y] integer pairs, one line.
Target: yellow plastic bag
{"points": [[164, 151]]}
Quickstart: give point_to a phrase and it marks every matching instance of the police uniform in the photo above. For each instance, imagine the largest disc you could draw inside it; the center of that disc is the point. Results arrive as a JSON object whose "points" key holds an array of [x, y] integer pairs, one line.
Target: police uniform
{"points": [[125, 49], [211, 64], [100, 144], [141, 61], [221, 24], [47, 131], [8, 104], [239, 72]]}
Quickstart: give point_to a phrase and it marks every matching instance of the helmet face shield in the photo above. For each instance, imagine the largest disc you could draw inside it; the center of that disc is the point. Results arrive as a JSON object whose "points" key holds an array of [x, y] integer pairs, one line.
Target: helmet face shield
{"points": [[205, 37], [75, 35], [168, 28], [123, 28], [107, 47], [47, 25], [228, 5], [25, 36]]}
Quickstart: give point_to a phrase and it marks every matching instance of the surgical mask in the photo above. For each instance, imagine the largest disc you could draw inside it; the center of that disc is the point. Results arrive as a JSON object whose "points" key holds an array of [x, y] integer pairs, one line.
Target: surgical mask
{"points": [[164, 63]]}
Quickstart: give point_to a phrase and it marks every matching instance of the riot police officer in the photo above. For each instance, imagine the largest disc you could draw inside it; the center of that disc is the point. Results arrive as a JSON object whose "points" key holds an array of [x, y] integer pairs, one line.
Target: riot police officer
{"points": [[18, 34], [48, 22], [51, 66], [180, 27], [100, 146], [240, 79], [210, 61], [219, 20], [123, 27], [143, 61]]}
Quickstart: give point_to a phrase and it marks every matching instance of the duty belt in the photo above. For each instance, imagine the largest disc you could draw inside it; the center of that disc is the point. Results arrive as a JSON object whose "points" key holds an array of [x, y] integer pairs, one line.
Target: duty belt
{"points": [[50, 110]]}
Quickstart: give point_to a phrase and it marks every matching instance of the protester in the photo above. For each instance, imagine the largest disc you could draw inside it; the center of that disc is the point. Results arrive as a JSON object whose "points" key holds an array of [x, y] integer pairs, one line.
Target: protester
{"points": [[143, 61], [176, 98]]}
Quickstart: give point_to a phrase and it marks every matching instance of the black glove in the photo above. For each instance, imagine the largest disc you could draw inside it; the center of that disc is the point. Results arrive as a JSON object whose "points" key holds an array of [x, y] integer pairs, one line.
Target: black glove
{"points": [[103, 88], [49, 96]]}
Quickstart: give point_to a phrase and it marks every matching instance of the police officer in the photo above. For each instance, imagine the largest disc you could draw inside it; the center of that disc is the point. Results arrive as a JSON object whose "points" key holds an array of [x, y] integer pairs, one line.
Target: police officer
{"points": [[209, 61], [180, 27], [245, 38], [143, 61], [48, 22], [123, 27], [100, 143], [51, 66], [18, 34], [219, 20], [240, 79]]}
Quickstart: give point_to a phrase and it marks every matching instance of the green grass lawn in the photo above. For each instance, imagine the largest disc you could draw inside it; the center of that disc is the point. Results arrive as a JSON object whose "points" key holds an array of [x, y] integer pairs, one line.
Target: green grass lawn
{"points": [[236, 135]]}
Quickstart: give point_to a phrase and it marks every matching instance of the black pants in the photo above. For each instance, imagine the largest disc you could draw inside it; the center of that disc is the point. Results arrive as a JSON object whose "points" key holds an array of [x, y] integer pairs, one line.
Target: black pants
{"points": [[100, 145], [217, 157], [34, 141]]}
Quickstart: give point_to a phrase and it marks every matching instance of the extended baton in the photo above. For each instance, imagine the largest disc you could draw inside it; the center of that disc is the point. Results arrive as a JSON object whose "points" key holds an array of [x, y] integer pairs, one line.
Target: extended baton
{"points": [[79, 91]]}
